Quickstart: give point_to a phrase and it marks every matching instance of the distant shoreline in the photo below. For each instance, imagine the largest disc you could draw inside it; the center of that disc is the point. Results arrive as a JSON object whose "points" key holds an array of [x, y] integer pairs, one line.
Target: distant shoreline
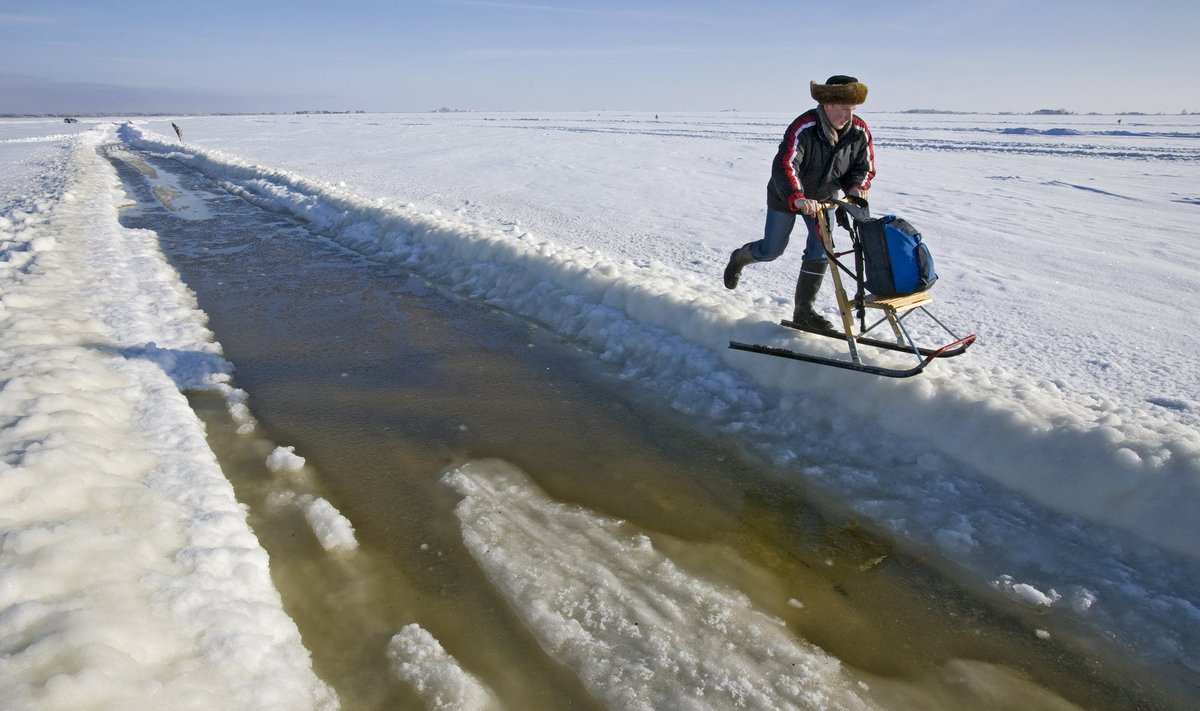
{"points": [[947, 112]]}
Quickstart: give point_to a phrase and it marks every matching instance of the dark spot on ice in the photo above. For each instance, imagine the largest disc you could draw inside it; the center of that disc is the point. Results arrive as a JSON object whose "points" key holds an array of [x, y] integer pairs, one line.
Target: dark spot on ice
{"points": [[1022, 131], [1170, 403], [1060, 183]]}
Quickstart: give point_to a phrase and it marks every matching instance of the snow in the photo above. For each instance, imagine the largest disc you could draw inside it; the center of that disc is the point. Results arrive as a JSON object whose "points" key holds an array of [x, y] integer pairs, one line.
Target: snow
{"points": [[419, 659], [1027, 593], [285, 459], [1057, 463], [333, 530]]}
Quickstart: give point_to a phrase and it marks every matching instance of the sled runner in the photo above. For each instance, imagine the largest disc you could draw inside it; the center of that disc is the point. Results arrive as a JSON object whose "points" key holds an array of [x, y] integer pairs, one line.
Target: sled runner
{"points": [[894, 309]]}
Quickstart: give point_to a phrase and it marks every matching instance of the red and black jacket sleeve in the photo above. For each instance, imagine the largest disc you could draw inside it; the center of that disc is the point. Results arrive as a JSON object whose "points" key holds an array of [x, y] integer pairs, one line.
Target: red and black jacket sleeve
{"points": [[786, 183]]}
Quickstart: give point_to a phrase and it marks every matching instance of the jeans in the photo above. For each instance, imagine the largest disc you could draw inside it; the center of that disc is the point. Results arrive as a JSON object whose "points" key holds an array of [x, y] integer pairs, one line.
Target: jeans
{"points": [[777, 233]]}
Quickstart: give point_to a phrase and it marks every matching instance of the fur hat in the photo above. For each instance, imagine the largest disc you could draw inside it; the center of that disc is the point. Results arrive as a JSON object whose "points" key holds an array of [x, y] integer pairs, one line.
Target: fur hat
{"points": [[839, 89]]}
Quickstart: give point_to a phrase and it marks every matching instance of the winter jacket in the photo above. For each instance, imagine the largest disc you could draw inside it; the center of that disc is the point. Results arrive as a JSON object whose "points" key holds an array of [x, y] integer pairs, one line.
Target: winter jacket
{"points": [[810, 165]]}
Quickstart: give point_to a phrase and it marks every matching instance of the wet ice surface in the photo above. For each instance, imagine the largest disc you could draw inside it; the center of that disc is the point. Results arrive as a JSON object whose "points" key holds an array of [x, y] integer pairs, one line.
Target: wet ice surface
{"points": [[384, 384]]}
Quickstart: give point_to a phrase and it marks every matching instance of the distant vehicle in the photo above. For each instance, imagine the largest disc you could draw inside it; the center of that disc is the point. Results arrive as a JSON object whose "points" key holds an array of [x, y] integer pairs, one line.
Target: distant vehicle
{"points": [[70, 120]]}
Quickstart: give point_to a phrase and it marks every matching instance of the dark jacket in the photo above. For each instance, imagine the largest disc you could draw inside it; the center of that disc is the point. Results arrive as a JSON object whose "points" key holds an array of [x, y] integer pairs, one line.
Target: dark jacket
{"points": [[809, 165]]}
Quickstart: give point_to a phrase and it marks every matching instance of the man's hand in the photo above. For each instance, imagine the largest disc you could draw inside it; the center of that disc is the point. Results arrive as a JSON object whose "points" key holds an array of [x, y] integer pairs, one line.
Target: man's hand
{"points": [[805, 206]]}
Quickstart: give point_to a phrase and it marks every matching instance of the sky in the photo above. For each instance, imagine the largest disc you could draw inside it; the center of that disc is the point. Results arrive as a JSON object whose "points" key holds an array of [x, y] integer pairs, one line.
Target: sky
{"points": [[71, 56]]}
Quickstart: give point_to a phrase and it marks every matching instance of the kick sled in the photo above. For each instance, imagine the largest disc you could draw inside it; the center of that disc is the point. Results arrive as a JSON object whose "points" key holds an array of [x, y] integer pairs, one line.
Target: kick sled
{"points": [[893, 310]]}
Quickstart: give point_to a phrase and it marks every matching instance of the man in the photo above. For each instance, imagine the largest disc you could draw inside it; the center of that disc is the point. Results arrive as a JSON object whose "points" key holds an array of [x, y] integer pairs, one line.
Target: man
{"points": [[824, 150]]}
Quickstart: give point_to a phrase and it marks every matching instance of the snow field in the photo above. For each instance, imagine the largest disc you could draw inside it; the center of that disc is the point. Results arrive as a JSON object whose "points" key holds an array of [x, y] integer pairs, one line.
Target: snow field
{"points": [[1061, 471]]}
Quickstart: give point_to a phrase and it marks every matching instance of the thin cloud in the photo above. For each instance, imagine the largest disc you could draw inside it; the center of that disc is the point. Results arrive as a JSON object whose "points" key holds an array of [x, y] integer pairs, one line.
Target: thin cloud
{"points": [[597, 12], [24, 94], [579, 52], [9, 18]]}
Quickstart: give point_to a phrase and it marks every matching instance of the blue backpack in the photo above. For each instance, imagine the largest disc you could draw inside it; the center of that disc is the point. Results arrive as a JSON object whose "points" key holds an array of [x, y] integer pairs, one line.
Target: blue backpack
{"points": [[897, 260]]}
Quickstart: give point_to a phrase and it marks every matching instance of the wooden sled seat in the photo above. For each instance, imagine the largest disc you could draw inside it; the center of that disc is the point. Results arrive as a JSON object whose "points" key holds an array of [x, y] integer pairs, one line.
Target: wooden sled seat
{"points": [[898, 304]]}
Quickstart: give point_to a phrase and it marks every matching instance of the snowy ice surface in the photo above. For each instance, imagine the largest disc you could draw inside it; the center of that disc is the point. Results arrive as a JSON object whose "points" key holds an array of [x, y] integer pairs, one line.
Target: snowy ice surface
{"points": [[1057, 463], [129, 577]]}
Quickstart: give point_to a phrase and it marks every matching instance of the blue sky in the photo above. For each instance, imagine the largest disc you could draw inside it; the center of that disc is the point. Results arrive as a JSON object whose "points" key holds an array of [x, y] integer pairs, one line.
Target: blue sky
{"points": [[72, 56]]}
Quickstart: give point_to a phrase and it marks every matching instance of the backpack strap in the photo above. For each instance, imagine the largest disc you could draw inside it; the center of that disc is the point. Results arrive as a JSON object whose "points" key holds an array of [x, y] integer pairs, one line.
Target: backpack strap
{"points": [[860, 280], [857, 215]]}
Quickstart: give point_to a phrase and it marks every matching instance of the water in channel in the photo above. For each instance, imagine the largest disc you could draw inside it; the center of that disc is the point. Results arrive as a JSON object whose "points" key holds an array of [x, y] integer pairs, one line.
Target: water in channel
{"points": [[383, 382]]}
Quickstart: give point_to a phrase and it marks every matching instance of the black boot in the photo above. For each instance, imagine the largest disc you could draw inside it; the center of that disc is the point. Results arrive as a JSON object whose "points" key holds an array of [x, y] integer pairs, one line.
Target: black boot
{"points": [[733, 271], [807, 286]]}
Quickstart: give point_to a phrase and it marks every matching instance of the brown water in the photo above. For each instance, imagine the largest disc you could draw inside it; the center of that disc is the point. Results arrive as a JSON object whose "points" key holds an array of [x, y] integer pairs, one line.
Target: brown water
{"points": [[382, 382]]}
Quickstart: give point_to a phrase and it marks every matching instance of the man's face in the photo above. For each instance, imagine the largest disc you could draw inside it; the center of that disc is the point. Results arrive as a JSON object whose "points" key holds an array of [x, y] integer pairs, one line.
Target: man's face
{"points": [[839, 114]]}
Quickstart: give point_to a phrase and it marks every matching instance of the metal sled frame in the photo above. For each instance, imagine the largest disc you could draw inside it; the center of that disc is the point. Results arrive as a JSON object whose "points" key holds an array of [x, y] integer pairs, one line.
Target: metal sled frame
{"points": [[895, 309]]}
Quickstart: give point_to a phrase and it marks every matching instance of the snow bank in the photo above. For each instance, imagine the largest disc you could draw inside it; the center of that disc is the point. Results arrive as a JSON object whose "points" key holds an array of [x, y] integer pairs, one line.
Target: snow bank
{"points": [[129, 577]]}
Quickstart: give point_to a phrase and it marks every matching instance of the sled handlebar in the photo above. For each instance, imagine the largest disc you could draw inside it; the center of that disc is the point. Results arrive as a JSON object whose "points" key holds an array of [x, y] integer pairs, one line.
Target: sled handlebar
{"points": [[858, 213]]}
